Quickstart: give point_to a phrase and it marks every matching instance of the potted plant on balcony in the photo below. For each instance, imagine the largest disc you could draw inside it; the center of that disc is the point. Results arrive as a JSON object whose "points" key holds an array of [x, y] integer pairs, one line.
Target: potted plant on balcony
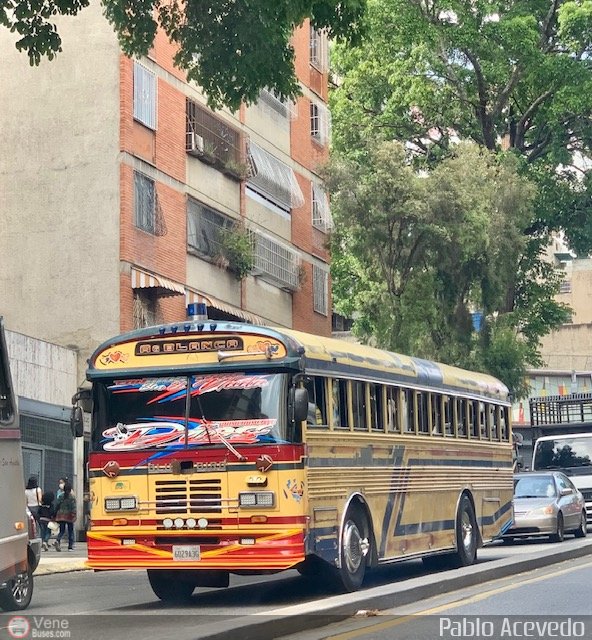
{"points": [[236, 250]]}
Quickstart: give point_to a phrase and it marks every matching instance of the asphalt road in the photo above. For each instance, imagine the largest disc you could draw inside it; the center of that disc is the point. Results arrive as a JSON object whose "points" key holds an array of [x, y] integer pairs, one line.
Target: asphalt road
{"points": [[122, 605]]}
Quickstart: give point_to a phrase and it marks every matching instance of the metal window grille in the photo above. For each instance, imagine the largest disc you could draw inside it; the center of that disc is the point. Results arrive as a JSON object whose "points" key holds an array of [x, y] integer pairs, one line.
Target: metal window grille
{"points": [[320, 289], [204, 229], [319, 52], [277, 262], [285, 108], [146, 312], [144, 96], [320, 122], [219, 139], [273, 180], [321, 213], [145, 202], [565, 287]]}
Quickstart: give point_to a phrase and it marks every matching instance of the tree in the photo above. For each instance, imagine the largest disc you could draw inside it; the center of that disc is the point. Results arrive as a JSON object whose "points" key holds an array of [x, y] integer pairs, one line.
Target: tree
{"points": [[513, 75], [415, 254], [232, 48]]}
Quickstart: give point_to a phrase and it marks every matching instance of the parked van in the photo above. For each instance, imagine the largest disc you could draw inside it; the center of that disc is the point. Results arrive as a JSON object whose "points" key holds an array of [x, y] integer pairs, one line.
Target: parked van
{"points": [[16, 572]]}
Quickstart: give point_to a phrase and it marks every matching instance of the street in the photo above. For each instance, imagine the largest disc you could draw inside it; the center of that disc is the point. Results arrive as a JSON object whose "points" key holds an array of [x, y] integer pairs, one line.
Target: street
{"points": [[121, 603]]}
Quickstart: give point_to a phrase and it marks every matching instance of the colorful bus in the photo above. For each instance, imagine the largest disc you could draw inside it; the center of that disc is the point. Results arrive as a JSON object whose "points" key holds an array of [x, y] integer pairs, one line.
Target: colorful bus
{"points": [[16, 571], [224, 448]]}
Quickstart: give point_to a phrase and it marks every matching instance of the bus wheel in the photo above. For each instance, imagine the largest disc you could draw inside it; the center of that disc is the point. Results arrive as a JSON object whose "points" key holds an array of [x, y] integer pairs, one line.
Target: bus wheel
{"points": [[168, 587], [466, 534], [355, 547], [18, 592]]}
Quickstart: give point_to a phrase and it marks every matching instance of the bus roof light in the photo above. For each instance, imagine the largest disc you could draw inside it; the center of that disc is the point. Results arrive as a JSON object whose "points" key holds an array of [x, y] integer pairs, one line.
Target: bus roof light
{"points": [[197, 311]]}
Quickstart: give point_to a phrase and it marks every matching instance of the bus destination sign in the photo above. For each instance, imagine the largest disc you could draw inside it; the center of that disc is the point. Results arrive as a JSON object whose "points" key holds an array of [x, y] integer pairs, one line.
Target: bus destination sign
{"points": [[188, 345]]}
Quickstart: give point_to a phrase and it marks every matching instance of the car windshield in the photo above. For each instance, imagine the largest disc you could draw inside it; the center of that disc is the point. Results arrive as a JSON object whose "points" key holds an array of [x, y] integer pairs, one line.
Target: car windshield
{"points": [[150, 413], [535, 487], [563, 453]]}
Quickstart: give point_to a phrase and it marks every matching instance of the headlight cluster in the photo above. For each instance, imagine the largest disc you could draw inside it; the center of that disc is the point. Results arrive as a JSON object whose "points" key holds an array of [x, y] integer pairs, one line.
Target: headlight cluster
{"points": [[129, 503], [256, 499]]}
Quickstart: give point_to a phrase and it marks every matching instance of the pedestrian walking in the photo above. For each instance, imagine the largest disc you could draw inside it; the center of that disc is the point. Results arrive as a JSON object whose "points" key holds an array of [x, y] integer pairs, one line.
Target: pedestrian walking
{"points": [[34, 495], [65, 517], [61, 485], [46, 515]]}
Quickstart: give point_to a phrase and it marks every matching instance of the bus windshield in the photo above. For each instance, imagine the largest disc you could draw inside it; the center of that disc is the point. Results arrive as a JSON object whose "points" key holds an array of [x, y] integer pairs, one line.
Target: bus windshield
{"points": [[563, 453], [150, 413]]}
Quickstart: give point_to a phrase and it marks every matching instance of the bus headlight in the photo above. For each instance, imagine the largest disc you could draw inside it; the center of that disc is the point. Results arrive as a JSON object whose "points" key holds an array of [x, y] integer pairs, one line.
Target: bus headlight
{"points": [[248, 499], [129, 503]]}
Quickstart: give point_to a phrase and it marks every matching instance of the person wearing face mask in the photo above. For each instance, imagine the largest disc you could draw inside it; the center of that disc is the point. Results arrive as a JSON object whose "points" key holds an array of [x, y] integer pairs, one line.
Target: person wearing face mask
{"points": [[60, 491]]}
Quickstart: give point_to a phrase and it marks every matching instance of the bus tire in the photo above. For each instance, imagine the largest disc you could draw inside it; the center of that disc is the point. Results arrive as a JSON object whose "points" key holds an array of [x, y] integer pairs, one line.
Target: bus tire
{"points": [[168, 587], [18, 592], [467, 535], [355, 547]]}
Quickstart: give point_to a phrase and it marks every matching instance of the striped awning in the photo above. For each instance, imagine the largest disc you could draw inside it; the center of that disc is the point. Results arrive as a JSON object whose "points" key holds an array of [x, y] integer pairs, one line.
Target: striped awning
{"points": [[212, 301], [145, 280]]}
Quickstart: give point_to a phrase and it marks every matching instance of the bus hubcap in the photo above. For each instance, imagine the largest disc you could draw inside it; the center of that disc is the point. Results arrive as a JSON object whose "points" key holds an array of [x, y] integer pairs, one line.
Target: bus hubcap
{"points": [[355, 547], [467, 531]]}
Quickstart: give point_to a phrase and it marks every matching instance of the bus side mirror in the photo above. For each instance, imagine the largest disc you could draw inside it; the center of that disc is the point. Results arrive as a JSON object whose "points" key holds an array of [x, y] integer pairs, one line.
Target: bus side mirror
{"points": [[298, 404], [76, 422]]}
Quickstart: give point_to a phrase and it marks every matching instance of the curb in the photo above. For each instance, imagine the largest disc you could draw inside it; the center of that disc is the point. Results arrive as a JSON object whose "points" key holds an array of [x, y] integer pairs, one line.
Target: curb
{"points": [[298, 618]]}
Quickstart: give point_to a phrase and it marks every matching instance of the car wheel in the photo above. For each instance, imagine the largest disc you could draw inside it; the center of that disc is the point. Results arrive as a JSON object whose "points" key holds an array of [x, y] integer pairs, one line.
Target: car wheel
{"points": [[582, 530], [18, 592], [560, 531]]}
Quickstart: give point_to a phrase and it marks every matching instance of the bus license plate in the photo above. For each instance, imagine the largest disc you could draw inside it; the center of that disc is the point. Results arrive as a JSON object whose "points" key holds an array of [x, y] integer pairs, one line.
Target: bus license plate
{"points": [[186, 553]]}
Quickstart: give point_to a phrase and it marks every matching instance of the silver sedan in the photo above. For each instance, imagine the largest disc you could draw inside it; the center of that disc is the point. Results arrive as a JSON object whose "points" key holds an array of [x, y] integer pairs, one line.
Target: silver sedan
{"points": [[547, 503]]}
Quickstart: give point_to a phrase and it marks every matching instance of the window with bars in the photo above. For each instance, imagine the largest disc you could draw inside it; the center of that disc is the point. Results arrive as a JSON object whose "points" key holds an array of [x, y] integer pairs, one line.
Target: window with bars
{"points": [[320, 123], [320, 289], [205, 227], [144, 202], [146, 311], [211, 136], [319, 51], [321, 213], [284, 108], [276, 262], [144, 96], [273, 180]]}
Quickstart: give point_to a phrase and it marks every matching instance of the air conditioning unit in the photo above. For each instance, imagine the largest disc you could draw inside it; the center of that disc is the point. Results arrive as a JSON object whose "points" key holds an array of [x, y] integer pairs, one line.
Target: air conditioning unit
{"points": [[195, 144]]}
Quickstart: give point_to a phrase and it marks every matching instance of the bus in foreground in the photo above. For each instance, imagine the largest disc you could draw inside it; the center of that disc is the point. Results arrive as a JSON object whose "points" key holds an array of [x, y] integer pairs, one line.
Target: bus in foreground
{"points": [[16, 572], [221, 448]]}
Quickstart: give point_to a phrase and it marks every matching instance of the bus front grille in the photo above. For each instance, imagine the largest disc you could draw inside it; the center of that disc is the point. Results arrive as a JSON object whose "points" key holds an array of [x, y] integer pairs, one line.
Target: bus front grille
{"points": [[189, 496]]}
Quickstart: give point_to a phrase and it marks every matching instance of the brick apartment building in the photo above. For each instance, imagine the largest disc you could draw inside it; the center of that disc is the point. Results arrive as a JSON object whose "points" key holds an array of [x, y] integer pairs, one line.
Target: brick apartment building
{"points": [[123, 197]]}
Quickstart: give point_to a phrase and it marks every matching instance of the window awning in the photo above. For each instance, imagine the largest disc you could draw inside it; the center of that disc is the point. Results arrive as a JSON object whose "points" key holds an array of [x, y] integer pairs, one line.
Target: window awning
{"points": [[211, 301], [145, 280]]}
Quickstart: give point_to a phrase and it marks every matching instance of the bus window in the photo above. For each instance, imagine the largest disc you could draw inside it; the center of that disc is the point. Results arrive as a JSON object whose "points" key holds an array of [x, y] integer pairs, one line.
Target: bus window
{"points": [[376, 407], [504, 430], [483, 422], [448, 416], [461, 415], [317, 402], [436, 408], [408, 411], [473, 418], [339, 396], [392, 409], [359, 406], [492, 414], [422, 412]]}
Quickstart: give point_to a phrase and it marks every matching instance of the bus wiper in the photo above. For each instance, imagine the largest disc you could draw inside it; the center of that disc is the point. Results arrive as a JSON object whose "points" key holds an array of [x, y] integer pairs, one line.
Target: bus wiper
{"points": [[223, 440]]}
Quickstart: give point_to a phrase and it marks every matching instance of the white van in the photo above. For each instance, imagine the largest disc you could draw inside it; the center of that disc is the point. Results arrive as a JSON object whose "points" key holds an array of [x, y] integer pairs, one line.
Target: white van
{"points": [[16, 575], [572, 454]]}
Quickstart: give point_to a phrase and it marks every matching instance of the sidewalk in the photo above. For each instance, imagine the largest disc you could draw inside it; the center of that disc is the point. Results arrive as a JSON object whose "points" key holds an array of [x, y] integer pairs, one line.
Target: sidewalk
{"points": [[53, 561]]}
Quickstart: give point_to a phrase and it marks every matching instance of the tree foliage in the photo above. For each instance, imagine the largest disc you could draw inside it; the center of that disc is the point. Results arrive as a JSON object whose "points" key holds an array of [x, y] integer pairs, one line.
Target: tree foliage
{"points": [[414, 254], [232, 48], [514, 75]]}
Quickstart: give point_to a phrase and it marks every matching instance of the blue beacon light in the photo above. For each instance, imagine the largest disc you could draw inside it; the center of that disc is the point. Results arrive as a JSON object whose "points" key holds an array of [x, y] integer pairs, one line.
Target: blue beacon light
{"points": [[197, 311]]}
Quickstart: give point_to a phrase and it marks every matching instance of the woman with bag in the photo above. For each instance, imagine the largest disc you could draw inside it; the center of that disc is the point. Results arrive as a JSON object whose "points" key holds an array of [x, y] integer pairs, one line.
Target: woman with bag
{"points": [[66, 516], [34, 495], [46, 516]]}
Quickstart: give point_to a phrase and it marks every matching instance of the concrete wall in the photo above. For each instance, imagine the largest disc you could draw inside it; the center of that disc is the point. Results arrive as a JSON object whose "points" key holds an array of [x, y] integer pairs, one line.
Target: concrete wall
{"points": [[59, 187]]}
